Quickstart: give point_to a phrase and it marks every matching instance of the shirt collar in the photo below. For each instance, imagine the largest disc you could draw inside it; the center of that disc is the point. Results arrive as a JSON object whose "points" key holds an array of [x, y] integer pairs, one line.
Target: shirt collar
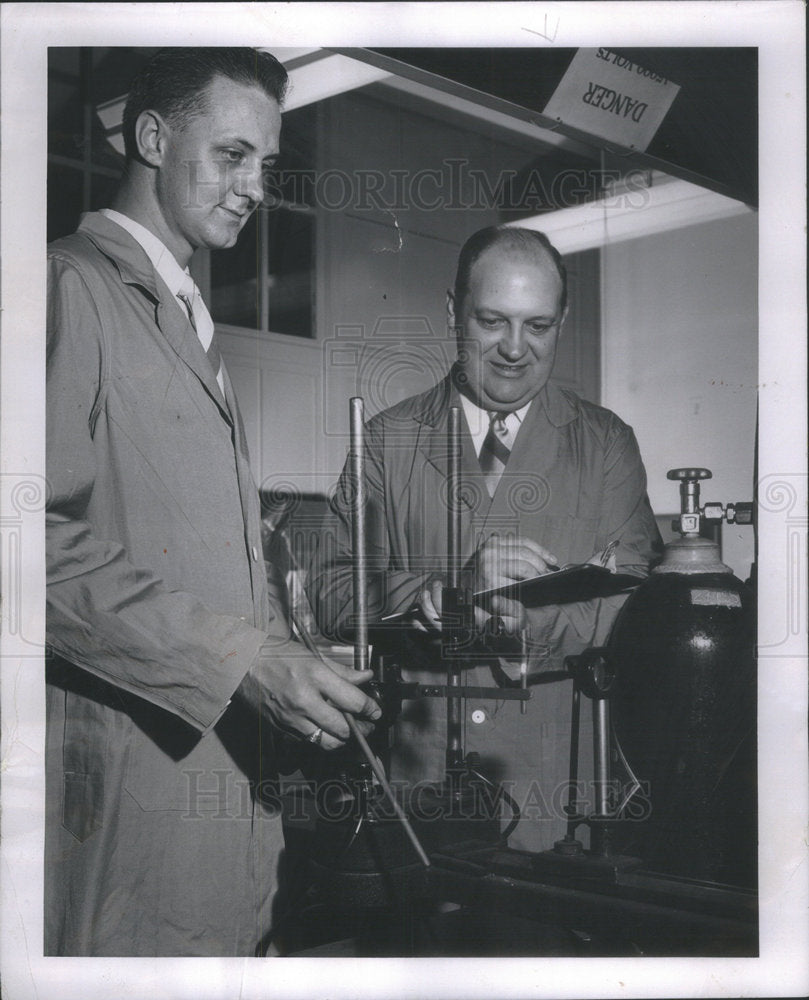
{"points": [[158, 253], [477, 420]]}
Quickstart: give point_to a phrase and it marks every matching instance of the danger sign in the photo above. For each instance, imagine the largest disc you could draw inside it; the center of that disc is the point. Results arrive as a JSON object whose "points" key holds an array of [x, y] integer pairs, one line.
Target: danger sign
{"points": [[612, 97]]}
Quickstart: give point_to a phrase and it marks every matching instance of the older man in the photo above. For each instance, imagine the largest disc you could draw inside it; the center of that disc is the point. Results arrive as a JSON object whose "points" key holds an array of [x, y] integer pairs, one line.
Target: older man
{"points": [[549, 479], [170, 668]]}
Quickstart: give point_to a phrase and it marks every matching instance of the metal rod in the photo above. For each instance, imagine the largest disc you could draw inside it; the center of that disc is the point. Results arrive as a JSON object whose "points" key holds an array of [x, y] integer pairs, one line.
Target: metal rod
{"points": [[413, 690], [454, 751], [601, 746], [264, 269], [453, 497], [523, 667], [358, 534], [376, 767], [573, 792]]}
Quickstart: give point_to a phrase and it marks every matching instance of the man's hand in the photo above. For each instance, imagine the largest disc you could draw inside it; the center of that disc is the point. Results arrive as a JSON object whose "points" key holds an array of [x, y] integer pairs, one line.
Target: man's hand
{"points": [[300, 694], [501, 561], [497, 563], [511, 612]]}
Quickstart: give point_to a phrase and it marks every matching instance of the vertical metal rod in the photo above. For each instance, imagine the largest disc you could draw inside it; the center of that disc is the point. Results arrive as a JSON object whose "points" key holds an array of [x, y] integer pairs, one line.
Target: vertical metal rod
{"points": [[264, 269], [523, 667], [454, 753], [453, 497], [573, 793], [601, 737], [358, 534]]}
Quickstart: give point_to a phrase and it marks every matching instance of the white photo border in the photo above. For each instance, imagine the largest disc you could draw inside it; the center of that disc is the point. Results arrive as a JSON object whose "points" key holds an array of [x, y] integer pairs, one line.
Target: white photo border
{"points": [[778, 30]]}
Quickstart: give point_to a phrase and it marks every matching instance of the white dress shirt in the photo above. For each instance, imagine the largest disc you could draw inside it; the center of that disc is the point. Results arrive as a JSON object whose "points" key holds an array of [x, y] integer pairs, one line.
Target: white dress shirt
{"points": [[478, 421]]}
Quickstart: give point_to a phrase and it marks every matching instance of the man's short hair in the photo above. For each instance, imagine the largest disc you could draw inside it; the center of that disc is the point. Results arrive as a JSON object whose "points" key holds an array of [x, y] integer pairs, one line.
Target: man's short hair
{"points": [[174, 80], [529, 240]]}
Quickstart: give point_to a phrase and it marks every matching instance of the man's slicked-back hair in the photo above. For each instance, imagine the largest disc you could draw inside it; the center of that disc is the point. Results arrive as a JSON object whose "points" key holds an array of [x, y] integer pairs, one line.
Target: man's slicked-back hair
{"points": [[174, 80], [510, 237]]}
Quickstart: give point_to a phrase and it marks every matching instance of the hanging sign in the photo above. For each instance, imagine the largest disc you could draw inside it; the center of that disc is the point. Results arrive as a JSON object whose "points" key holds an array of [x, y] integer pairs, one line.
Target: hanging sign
{"points": [[612, 97]]}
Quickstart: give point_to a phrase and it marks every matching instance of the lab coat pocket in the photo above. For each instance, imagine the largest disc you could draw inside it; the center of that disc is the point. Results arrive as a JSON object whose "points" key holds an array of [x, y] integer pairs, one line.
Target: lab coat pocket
{"points": [[195, 781]]}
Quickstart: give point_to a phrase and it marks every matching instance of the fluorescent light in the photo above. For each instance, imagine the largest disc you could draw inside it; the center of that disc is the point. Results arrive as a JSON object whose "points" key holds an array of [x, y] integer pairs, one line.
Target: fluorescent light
{"points": [[632, 213], [543, 136], [326, 77]]}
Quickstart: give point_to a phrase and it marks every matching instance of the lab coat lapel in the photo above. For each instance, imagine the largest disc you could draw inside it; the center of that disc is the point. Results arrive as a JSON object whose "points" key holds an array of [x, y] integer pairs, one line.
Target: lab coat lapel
{"points": [[523, 488], [136, 270], [182, 337], [239, 436], [248, 497], [434, 446]]}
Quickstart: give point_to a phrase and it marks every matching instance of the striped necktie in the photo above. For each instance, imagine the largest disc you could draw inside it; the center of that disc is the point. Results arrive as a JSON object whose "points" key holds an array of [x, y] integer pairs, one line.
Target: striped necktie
{"points": [[201, 320], [495, 450]]}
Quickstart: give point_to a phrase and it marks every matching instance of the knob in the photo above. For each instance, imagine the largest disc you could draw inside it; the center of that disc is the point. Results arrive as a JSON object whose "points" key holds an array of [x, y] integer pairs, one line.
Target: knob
{"points": [[689, 495], [689, 474], [592, 671]]}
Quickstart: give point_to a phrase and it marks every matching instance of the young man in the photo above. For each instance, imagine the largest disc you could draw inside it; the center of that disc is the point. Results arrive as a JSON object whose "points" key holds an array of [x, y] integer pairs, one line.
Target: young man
{"points": [[170, 670]]}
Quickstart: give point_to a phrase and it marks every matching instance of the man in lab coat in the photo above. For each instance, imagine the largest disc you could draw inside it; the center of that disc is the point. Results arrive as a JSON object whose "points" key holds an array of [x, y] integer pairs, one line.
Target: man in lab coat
{"points": [[549, 479], [170, 671]]}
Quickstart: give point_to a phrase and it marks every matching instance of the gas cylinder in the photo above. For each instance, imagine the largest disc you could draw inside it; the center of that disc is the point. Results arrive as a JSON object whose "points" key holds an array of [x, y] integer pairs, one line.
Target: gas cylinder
{"points": [[683, 706]]}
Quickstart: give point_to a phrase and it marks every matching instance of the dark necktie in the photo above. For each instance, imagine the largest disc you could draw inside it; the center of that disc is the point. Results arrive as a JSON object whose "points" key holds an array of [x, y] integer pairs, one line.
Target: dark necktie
{"points": [[495, 450]]}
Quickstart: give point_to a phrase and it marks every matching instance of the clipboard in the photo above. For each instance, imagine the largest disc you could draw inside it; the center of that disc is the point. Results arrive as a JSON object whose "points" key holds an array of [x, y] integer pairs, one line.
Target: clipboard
{"points": [[564, 586]]}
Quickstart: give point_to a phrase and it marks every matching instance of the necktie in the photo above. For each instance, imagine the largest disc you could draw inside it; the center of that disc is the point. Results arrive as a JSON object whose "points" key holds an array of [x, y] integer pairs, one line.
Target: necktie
{"points": [[201, 320], [495, 450]]}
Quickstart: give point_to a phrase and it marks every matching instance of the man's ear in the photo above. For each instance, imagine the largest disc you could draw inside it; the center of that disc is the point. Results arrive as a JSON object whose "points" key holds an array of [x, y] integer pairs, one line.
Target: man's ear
{"points": [[450, 309], [562, 320], [151, 132]]}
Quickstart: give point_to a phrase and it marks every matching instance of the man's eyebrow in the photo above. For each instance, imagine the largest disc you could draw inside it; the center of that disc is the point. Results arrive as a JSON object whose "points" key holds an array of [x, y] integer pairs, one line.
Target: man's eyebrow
{"points": [[543, 317], [246, 144]]}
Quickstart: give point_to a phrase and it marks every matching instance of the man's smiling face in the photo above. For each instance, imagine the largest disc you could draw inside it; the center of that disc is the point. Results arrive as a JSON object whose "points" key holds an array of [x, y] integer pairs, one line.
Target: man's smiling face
{"points": [[211, 176], [508, 326]]}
